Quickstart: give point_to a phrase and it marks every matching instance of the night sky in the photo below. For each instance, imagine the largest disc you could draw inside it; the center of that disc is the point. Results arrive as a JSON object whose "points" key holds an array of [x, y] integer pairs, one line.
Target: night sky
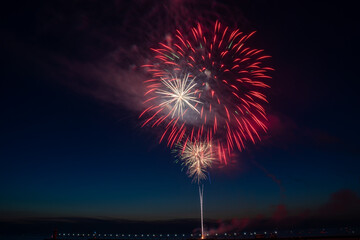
{"points": [[71, 145]]}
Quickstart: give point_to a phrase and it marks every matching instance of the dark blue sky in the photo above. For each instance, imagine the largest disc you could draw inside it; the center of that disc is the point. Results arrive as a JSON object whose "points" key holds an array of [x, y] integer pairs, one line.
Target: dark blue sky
{"points": [[65, 153]]}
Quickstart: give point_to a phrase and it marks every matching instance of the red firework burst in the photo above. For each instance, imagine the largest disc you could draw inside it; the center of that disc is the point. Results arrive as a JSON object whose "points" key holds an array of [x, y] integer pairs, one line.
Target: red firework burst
{"points": [[207, 85]]}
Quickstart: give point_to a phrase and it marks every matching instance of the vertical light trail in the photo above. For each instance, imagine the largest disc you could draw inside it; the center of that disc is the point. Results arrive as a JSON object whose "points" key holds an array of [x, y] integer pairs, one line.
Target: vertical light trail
{"points": [[201, 195]]}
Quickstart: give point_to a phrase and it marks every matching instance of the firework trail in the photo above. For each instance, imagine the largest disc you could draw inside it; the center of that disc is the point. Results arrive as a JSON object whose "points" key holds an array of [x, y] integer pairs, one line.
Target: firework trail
{"points": [[223, 83]]}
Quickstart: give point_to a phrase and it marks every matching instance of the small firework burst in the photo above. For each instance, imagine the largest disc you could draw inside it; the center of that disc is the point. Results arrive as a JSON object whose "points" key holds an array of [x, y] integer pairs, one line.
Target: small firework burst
{"points": [[197, 157]]}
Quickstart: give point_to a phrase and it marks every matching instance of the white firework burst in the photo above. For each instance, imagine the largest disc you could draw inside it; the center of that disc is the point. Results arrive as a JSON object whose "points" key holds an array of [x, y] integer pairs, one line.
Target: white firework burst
{"points": [[179, 94]]}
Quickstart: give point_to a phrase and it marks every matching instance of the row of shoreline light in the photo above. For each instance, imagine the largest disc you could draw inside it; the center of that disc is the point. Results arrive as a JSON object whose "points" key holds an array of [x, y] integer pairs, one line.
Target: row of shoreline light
{"points": [[159, 235]]}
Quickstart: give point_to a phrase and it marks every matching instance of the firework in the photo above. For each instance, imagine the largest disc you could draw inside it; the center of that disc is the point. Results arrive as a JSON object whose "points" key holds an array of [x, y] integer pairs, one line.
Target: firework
{"points": [[197, 157], [224, 89], [206, 92]]}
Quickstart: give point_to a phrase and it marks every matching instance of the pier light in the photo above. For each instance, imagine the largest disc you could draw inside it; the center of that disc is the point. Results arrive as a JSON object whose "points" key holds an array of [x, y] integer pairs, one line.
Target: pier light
{"points": [[167, 235], [191, 235], [264, 232], [160, 235], [215, 234]]}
